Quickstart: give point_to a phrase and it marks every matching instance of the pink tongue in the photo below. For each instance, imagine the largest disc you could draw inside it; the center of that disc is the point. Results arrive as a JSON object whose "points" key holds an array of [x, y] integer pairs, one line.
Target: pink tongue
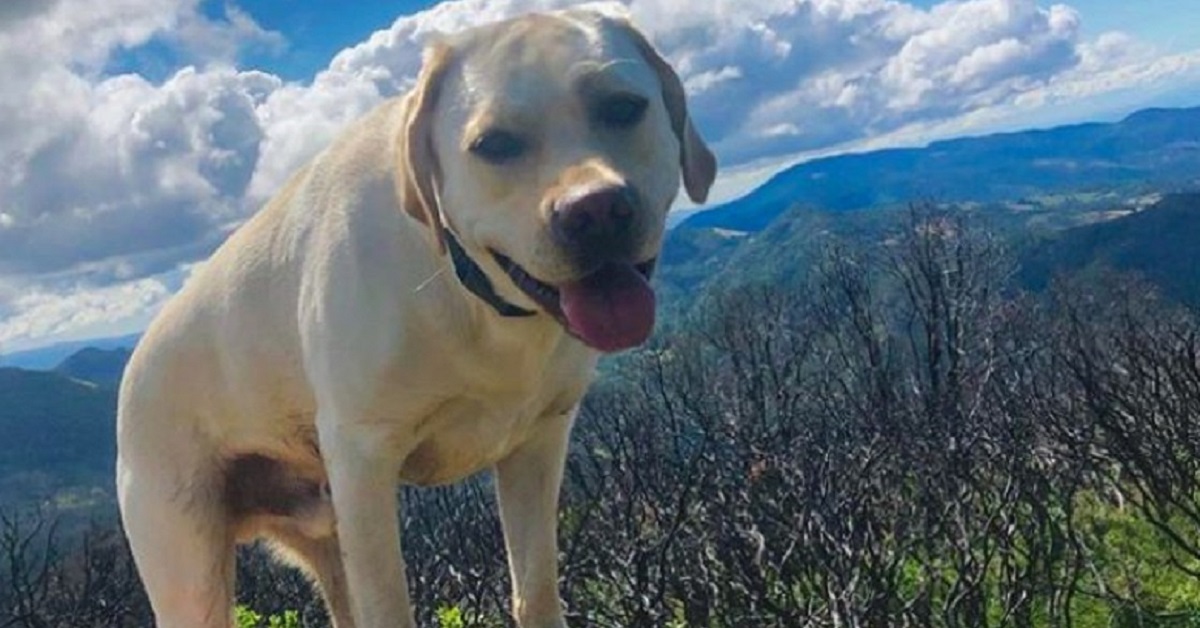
{"points": [[611, 309]]}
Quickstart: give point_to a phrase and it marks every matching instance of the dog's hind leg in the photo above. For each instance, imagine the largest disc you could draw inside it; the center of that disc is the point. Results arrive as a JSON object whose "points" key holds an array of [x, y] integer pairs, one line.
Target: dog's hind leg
{"points": [[321, 559], [180, 537]]}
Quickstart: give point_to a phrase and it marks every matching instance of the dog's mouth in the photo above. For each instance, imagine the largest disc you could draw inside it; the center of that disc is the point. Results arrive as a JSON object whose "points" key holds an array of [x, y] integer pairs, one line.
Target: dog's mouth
{"points": [[609, 309]]}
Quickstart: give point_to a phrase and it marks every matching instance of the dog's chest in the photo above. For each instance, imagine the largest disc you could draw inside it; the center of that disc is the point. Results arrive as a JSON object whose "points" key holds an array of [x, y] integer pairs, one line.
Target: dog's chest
{"points": [[461, 409], [460, 437]]}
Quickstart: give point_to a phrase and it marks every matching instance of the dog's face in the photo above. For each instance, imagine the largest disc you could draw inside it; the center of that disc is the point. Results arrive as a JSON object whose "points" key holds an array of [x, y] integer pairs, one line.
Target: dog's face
{"points": [[553, 147]]}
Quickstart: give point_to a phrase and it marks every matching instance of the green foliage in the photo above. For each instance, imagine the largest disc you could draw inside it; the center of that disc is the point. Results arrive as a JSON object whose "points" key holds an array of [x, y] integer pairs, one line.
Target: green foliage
{"points": [[450, 617], [246, 617], [1137, 577], [287, 619]]}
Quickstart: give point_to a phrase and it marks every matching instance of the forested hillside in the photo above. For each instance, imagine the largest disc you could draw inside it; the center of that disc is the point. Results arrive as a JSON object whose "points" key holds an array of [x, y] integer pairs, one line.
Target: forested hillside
{"points": [[58, 436], [1154, 236], [1160, 242]]}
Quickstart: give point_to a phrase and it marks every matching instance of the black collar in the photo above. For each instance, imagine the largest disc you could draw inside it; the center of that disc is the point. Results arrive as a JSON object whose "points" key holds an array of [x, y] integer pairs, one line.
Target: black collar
{"points": [[473, 277]]}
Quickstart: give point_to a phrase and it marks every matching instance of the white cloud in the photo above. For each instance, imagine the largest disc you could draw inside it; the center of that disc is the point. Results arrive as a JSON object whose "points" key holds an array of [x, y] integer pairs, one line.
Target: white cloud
{"points": [[141, 168], [96, 168], [117, 178], [222, 41], [709, 79], [76, 312]]}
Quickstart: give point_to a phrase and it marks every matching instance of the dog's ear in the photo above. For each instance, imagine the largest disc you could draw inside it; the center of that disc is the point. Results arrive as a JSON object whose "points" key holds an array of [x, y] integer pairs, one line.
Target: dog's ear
{"points": [[697, 161], [420, 171]]}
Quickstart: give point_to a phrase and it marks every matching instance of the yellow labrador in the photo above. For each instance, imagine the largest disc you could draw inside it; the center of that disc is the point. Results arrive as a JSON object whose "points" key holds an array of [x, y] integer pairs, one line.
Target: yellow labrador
{"points": [[427, 298]]}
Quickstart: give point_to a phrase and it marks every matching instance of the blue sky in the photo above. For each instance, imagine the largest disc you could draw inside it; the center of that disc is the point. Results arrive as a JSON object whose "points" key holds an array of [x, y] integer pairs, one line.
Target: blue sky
{"points": [[315, 30], [1175, 24], [1172, 24], [135, 135], [318, 29]]}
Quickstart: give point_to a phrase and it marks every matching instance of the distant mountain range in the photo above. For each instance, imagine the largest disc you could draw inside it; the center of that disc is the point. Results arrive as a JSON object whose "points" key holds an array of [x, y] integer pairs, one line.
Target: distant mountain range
{"points": [[1152, 149], [102, 367], [48, 357]]}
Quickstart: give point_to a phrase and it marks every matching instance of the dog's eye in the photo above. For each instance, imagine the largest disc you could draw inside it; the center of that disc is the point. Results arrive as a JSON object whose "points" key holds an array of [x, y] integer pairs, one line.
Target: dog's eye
{"points": [[498, 146], [622, 111]]}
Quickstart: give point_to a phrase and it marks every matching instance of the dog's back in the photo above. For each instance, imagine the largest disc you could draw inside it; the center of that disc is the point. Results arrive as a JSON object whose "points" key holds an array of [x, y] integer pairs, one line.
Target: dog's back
{"points": [[225, 354]]}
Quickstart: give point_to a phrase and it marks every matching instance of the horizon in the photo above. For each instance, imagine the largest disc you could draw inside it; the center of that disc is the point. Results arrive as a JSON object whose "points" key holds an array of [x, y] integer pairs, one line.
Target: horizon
{"points": [[208, 106]]}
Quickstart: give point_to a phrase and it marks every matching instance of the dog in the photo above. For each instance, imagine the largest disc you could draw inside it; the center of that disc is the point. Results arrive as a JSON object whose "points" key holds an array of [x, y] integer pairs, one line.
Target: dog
{"points": [[426, 299]]}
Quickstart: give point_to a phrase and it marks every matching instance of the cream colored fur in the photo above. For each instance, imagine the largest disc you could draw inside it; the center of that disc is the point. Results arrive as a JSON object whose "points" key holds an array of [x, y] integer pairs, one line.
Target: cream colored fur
{"points": [[330, 333]]}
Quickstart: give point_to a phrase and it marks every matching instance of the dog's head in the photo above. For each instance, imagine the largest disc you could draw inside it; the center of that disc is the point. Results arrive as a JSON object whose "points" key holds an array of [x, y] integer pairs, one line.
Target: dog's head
{"points": [[551, 147]]}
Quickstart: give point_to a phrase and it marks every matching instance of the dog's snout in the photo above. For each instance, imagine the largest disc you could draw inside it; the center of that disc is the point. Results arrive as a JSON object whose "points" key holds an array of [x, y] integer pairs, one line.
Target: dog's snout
{"points": [[593, 222]]}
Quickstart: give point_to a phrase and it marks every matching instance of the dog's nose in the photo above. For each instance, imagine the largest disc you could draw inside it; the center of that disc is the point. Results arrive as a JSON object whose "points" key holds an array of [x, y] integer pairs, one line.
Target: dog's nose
{"points": [[594, 222]]}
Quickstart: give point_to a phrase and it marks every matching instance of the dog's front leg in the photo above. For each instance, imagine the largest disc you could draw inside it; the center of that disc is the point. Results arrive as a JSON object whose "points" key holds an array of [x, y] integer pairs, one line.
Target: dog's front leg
{"points": [[362, 480], [528, 482]]}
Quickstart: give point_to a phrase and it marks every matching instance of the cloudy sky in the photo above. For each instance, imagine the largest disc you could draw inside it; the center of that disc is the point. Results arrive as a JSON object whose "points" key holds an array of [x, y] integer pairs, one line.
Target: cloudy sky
{"points": [[135, 134]]}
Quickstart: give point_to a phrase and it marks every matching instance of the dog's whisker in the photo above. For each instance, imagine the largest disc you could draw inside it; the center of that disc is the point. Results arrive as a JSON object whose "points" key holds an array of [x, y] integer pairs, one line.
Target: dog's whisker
{"points": [[424, 284]]}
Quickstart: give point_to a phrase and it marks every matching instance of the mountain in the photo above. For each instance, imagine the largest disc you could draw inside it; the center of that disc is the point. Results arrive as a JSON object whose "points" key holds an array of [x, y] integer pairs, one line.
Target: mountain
{"points": [[1159, 242], [46, 358], [1150, 149], [1155, 237], [58, 433], [103, 367], [698, 262]]}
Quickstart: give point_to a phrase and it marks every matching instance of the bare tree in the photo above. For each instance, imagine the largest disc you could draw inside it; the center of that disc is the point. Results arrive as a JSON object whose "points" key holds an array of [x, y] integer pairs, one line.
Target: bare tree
{"points": [[49, 583]]}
